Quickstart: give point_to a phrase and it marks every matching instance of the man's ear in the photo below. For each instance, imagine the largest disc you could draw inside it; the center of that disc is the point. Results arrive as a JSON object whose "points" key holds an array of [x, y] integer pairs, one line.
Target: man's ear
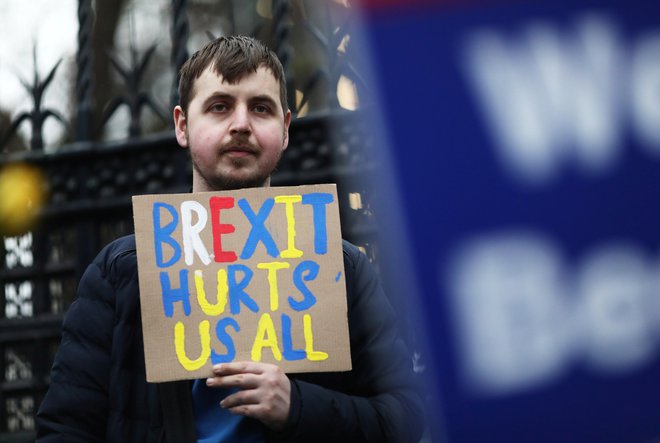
{"points": [[180, 126], [287, 122]]}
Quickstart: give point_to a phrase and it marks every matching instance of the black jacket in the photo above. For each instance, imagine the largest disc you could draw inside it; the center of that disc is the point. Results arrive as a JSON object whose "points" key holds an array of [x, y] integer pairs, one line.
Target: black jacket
{"points": [[98, 389]]}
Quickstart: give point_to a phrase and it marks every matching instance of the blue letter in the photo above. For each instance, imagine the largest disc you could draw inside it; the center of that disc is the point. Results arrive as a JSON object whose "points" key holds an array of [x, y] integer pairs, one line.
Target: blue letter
{"points": [[163, 234], [289, 353], [225, 339], [236, 289], [258, 231], [311, 269], [170, 295], [318, 200]]}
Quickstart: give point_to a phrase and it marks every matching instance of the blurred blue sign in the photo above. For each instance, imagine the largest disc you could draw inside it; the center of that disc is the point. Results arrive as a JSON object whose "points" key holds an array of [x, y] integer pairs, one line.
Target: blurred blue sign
{"points": [[525, 139]]}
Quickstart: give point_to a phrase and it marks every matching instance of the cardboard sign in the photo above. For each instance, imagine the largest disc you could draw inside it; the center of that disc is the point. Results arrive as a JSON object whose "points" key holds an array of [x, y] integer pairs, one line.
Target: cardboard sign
{"points": [[248, 275]]}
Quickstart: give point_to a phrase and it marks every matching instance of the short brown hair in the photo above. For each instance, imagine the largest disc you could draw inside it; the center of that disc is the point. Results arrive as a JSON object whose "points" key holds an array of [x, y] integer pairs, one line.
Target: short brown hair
{"points": [[232, 57]]}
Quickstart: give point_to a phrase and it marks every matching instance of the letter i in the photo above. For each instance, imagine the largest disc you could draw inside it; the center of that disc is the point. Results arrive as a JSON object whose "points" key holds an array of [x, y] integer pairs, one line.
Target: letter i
{"points": [[291, 251]]}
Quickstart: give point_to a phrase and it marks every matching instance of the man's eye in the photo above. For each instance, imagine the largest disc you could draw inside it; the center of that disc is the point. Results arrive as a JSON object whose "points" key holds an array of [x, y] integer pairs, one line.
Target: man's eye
{"points": [[218, 107], [261, 109]]}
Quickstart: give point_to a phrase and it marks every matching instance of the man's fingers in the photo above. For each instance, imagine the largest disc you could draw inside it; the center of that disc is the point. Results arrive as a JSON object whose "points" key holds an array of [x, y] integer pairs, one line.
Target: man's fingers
{"points": [[255, 411], [241, 381], [240, 398], [238, 368], [264, 391], [258, 412]]}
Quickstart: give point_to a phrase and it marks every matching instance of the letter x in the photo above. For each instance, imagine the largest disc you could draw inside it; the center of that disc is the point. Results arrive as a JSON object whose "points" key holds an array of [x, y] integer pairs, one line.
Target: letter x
{"points": [[258, 232]]}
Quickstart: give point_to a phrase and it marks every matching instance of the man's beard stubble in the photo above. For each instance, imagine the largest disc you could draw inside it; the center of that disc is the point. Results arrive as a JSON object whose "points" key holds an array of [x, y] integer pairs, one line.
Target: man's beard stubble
{"points": [[225, 183]]}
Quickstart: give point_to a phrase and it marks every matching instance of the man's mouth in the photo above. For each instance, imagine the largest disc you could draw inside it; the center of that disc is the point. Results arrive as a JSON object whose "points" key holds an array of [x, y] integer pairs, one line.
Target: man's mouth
{"points": [[239, 151]]}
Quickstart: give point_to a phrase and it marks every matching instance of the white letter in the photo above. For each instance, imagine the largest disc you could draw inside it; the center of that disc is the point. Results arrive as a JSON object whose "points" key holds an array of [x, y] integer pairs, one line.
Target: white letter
{"points": [[513, 328], [614, 287], [514, 106], [191, 240], [549, 98], [645, 82]]}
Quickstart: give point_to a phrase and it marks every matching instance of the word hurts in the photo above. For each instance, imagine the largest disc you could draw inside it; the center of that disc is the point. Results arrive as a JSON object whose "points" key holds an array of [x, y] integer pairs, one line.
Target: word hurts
{"points": [[231, 288]]}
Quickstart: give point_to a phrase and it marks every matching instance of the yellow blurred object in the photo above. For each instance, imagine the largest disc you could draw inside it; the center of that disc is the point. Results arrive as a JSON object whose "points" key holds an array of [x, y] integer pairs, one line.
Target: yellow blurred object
{"points": [[265, 8], [22, 195], [347, 94]]}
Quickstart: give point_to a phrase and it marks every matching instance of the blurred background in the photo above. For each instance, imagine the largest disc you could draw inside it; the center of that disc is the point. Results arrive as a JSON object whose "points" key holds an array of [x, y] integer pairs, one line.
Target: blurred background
{"points": [[524, 140], [499, 162]]}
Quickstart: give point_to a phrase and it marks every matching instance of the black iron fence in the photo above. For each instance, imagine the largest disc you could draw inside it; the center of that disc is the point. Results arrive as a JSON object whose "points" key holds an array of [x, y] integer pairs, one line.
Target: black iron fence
{"points": [[90, 184]]}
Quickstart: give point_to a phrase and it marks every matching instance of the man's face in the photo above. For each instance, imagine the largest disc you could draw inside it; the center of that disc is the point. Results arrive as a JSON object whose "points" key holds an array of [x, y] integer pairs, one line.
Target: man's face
{"points": [[236, 133]]}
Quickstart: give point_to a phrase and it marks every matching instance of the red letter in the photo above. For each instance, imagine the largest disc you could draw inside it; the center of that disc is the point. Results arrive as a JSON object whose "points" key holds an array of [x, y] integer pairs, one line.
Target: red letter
{"points": [[217, 204]]}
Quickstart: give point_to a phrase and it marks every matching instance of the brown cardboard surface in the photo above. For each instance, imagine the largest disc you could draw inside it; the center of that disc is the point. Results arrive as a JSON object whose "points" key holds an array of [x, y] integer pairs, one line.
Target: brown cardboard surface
{"points": [[245, 281]]}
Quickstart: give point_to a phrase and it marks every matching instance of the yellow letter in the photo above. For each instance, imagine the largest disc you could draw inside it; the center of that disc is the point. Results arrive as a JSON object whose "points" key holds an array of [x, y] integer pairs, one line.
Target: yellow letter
{"points": [[180, 345], [207, 307], [266, 337], [273, 267], [289, 200], [312, 355]]}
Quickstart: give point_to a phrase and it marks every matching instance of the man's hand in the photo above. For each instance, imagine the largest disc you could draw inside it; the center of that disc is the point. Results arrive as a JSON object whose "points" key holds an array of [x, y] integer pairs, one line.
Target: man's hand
{"points": [[265, 391]]}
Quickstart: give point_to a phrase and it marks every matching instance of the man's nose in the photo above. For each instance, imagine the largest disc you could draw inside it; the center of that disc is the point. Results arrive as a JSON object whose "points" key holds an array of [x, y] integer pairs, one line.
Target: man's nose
{"points": [[240, 120]]}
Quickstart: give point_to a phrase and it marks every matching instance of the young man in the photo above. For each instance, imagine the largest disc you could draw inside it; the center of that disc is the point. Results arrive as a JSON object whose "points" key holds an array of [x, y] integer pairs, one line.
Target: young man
{"points": [[234, 119]]}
